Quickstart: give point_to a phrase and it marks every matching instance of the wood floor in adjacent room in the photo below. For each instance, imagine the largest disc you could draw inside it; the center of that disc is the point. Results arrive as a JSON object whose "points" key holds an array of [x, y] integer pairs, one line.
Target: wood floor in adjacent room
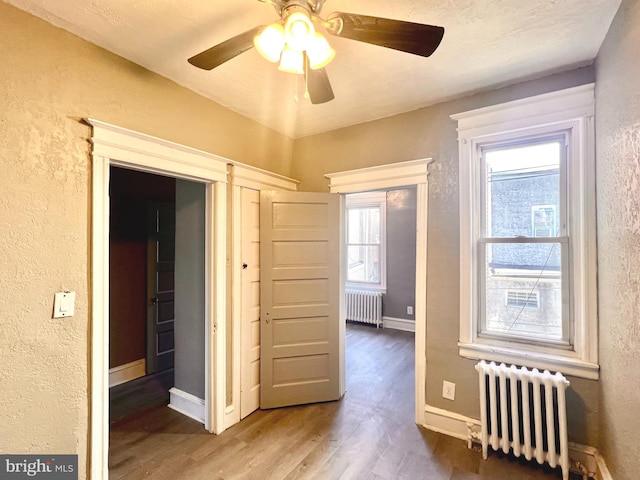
{"points": [[369, 434]]}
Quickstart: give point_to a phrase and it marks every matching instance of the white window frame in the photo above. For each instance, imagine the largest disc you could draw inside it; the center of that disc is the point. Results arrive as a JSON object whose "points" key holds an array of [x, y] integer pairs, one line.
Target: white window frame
{"points": [[561, 238], [364, 200], [570, 110]]}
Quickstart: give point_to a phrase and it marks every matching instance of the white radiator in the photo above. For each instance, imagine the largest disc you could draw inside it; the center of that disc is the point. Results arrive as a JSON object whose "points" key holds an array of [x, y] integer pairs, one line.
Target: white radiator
{"points": [[364, 306], [524, 411]]}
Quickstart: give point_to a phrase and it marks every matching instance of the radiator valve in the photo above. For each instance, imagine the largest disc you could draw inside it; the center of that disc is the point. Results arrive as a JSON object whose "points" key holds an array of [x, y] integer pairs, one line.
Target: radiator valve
{"points": [[474, 434]]}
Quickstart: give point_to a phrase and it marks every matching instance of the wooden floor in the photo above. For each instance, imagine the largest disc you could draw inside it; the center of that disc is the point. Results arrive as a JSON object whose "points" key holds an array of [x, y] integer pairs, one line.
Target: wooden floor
{"points": [[369, 434], [134, 397]]}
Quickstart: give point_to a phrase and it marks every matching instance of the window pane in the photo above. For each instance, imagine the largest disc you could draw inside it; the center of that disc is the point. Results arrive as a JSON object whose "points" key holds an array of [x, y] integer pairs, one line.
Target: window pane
{"points": [[363, 264], [522, 190], [364, 225], [523, 285]]}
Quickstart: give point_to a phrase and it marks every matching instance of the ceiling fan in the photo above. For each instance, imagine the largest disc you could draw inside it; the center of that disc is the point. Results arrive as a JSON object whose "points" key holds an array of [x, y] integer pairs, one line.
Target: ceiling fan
{"points": [[297, 41]]}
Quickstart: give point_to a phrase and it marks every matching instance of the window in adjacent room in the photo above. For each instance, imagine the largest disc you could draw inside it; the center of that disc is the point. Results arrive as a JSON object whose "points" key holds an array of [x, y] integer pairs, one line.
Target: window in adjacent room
{"points": [[365, 235], [527, 237]]}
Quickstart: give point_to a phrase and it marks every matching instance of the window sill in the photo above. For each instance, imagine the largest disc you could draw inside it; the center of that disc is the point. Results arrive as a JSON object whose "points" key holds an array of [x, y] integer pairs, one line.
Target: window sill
{"points": [[568, 365]]}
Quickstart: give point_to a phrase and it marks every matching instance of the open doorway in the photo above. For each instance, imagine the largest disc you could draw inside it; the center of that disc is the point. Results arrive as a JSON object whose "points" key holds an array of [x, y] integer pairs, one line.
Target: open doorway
{"points": [[157, 298], [404, 174], [380, 237], [115, 146], [156, 294], [141, 291]]}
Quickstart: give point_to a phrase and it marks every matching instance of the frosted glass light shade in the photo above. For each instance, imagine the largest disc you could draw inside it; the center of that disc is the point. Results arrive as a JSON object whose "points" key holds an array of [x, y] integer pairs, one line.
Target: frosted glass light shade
{"points": [[270, 42], [319, 52], [298, 31], [291, 61]]}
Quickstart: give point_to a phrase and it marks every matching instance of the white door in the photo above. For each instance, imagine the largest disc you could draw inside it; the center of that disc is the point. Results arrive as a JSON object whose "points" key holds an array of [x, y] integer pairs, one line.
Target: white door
{"points": [[300, 298], [250, 321]]}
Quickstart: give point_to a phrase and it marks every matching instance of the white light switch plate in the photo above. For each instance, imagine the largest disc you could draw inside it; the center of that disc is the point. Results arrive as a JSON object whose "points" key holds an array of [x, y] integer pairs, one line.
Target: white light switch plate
{"points": [[64, 304], [449, 390]]}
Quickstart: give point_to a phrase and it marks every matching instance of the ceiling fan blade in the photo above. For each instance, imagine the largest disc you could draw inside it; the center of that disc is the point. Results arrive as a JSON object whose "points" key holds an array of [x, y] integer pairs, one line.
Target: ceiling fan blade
{"points": [[226, 50], [318, 85], [416, 38]]}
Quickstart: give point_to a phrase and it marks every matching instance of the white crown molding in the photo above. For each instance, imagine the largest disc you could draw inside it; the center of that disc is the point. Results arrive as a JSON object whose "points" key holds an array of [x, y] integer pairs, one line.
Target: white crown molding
{"points": [[537, 110], [128, 148], [413, 172], [252, 177]]}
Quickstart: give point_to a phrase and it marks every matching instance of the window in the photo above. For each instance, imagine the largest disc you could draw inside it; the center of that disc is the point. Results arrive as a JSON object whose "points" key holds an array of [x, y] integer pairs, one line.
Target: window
{"points": [[527, 239], [514, 178], [365, 218]]}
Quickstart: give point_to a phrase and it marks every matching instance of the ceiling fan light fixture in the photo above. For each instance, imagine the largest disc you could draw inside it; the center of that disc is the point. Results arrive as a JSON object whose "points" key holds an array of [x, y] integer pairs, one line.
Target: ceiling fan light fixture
{"points": [[320, 52], [297, 41], [291, 61], [298, 30], [270, 42]]}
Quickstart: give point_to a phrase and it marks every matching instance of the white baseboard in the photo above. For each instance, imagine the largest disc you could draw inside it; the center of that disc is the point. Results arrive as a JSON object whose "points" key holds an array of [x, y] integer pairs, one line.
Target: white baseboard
{"points": [[186, 404], [584, 459], [399, 324], [450, 423], [127, 372]]}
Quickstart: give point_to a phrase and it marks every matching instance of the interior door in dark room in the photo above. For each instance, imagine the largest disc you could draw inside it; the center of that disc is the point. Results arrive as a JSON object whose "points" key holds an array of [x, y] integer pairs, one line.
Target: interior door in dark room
{"points": [[160, 287]]}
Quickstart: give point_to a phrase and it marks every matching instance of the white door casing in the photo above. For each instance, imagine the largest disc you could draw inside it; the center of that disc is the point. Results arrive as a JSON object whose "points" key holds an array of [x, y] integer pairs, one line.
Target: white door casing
{"points": [[414, 172], [121, 147]]}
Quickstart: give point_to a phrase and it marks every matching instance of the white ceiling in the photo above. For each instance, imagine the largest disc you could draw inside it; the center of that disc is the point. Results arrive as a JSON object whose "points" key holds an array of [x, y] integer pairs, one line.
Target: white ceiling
{"points": [[486, 43]]}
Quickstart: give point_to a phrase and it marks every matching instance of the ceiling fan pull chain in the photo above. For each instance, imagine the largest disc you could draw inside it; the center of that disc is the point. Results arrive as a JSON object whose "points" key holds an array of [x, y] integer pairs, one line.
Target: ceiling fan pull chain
{"points": [[306, 77]]}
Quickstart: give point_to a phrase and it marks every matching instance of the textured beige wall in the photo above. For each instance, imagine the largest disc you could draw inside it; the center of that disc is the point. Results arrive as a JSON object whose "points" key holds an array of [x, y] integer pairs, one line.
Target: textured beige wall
{"points": [[429, 132], [618, 194], [51, 79]]}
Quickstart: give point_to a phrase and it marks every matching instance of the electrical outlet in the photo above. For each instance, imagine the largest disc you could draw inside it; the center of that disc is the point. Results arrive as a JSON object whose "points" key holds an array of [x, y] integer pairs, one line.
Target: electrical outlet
{"points": [[448, 390], [409, 310]]}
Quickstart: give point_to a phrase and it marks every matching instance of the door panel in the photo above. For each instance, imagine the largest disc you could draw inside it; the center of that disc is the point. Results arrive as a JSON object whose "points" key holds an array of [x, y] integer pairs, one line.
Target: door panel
{"points": [[250, 321], [160, 287], [300, 253], [307, 331]]}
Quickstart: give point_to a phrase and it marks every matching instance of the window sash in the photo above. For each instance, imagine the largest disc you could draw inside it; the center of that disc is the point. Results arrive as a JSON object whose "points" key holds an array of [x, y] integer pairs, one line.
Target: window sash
{"points": [[369, 269], [368, 201], [566, 339], [562, 137], [561, 237]]}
